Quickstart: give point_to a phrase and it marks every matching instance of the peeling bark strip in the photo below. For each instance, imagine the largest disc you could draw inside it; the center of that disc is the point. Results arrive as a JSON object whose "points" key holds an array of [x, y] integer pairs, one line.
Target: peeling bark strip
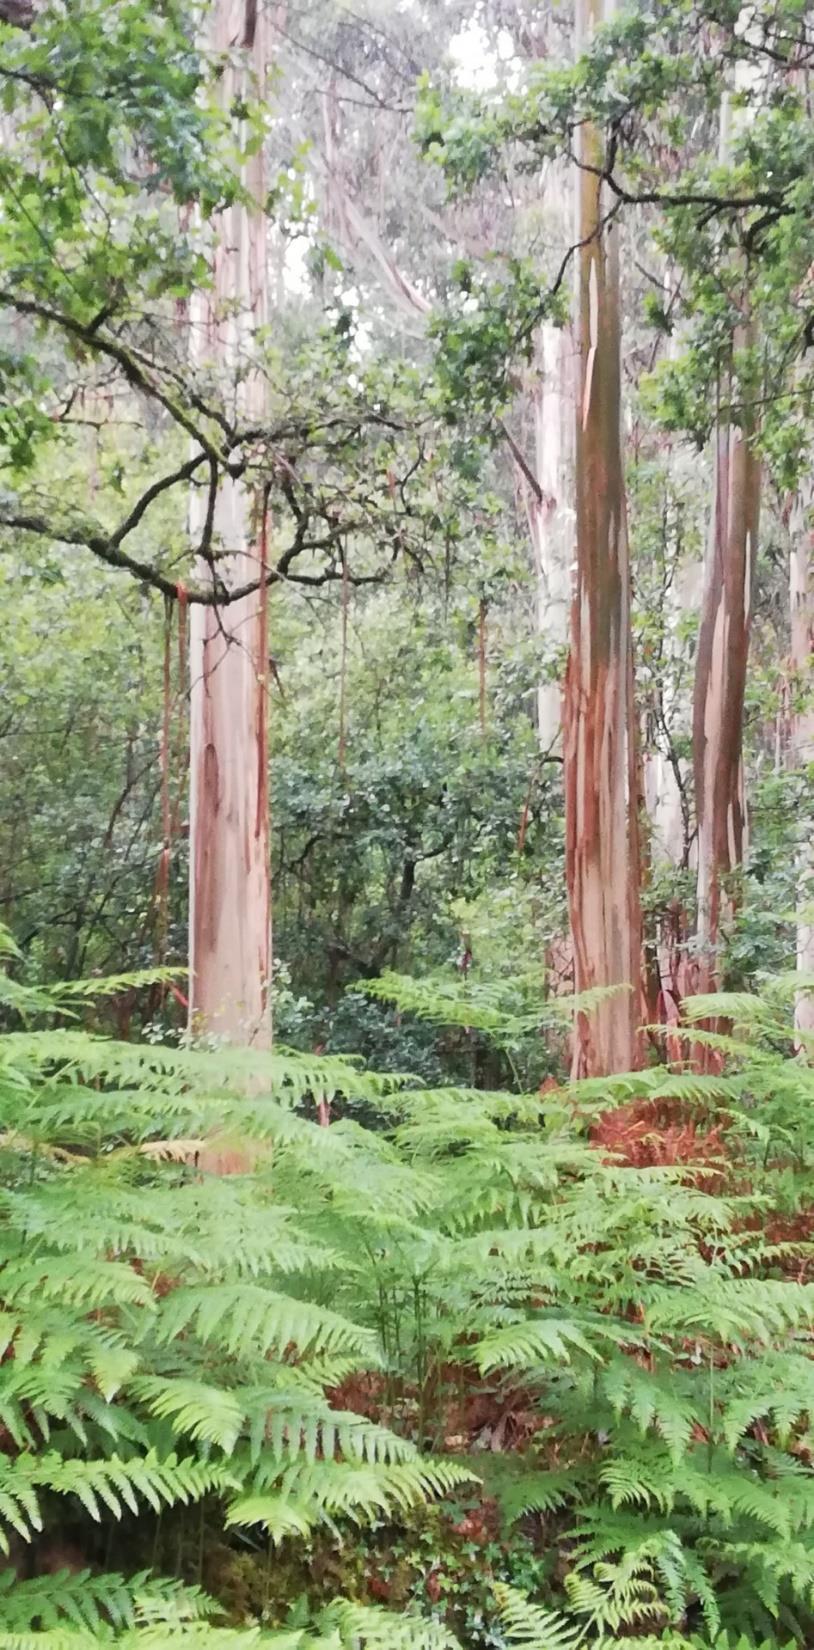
{"points": [[801, 597], [482, 609], [602, 831], [230, 903], [720, 685], [723, 652]]}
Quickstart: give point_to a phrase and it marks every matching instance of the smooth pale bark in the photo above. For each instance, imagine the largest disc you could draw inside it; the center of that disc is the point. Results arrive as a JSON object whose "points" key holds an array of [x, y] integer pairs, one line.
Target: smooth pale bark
{"points": [[352, 227], [667, 775], [801, 752], [550, 504], [230, 903], [662, 794], [721, 661], [667, 794], [550, 512], [601, 778]]}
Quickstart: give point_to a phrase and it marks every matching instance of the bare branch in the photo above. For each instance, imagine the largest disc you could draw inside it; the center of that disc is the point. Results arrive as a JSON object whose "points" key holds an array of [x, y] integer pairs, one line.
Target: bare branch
{"points": [[521, 461]]}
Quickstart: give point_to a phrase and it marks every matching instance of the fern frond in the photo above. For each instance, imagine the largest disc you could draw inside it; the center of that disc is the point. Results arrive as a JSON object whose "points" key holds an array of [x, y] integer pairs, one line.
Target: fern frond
{"points": [[530, 1628], [95, 1602], [653, 1398], [245, 1316], [533, 1341], [594, 1095], [306, 1495], [368, 1629], [195, 1409], [112, 1484], [745, 1009], [445, 1001], [112, 985]]}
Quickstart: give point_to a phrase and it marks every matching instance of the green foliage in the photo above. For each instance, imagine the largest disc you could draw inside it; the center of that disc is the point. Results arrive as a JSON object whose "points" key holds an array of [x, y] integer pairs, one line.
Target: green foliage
{"points": [[534, 1629], [485, 334], [451, 1283], [174, 1337], [652, 82], [390, 859], [165, 1335], [654, 1323]]}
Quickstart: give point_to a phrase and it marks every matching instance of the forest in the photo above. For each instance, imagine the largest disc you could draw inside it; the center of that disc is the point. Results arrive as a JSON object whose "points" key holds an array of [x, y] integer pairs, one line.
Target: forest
{"points": [[407, 824]]}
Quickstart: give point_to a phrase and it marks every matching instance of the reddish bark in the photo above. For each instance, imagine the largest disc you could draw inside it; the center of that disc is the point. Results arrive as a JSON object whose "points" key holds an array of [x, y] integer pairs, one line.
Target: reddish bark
{"points": [[720, 685], [723, 645], [230, 896], [482, 665], [603, 855], [343, 666], [801, 753]]}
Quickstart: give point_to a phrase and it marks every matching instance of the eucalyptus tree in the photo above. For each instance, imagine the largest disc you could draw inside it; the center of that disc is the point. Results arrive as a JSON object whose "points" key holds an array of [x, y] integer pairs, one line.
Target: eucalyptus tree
{"points": [[736, 232], [229, 866], [726, 617], [120, 155], [801, 744], [351, 83], [601, 773]]}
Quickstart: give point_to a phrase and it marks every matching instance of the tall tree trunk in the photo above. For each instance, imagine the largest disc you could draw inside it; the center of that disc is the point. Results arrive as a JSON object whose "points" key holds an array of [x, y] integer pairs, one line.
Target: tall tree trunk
{"points": [[547, 485], [601, 767], [230, 902], [667, 800], [551, 512], [720, 683], [801, 593], [667, 773], [721, 661]]}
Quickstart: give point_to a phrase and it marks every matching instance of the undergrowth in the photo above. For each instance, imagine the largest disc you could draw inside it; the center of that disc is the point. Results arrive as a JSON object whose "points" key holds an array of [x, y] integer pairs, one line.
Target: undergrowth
{"points": [[485, 1302]]}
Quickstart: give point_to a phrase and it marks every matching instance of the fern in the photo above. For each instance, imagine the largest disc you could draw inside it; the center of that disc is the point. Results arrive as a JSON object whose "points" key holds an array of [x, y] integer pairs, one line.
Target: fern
{"points": [[308, 1494], [356, 1626], [83, 1600], [530, 1628], [170, 1338], [239, 1314]]}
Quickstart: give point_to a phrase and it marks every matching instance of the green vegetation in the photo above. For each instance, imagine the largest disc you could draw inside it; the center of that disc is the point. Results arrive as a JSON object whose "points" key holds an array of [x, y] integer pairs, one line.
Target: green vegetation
{"points": [[394, 571], [518, 1364]]}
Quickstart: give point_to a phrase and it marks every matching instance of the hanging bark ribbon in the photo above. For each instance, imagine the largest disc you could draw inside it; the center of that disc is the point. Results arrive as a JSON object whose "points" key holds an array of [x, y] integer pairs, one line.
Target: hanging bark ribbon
{"points": [[170, 761], [524, 815], [162, 880], [343, 664], [482, 665], [181, 695], [263, 669], [262, 819]]}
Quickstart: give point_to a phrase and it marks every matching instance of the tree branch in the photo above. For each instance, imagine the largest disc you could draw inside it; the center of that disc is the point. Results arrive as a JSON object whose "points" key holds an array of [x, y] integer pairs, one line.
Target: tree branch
{"points": [[19, 13], [101, 545], [103, 344], [185, 472], [521, 461], [108, 550]]}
